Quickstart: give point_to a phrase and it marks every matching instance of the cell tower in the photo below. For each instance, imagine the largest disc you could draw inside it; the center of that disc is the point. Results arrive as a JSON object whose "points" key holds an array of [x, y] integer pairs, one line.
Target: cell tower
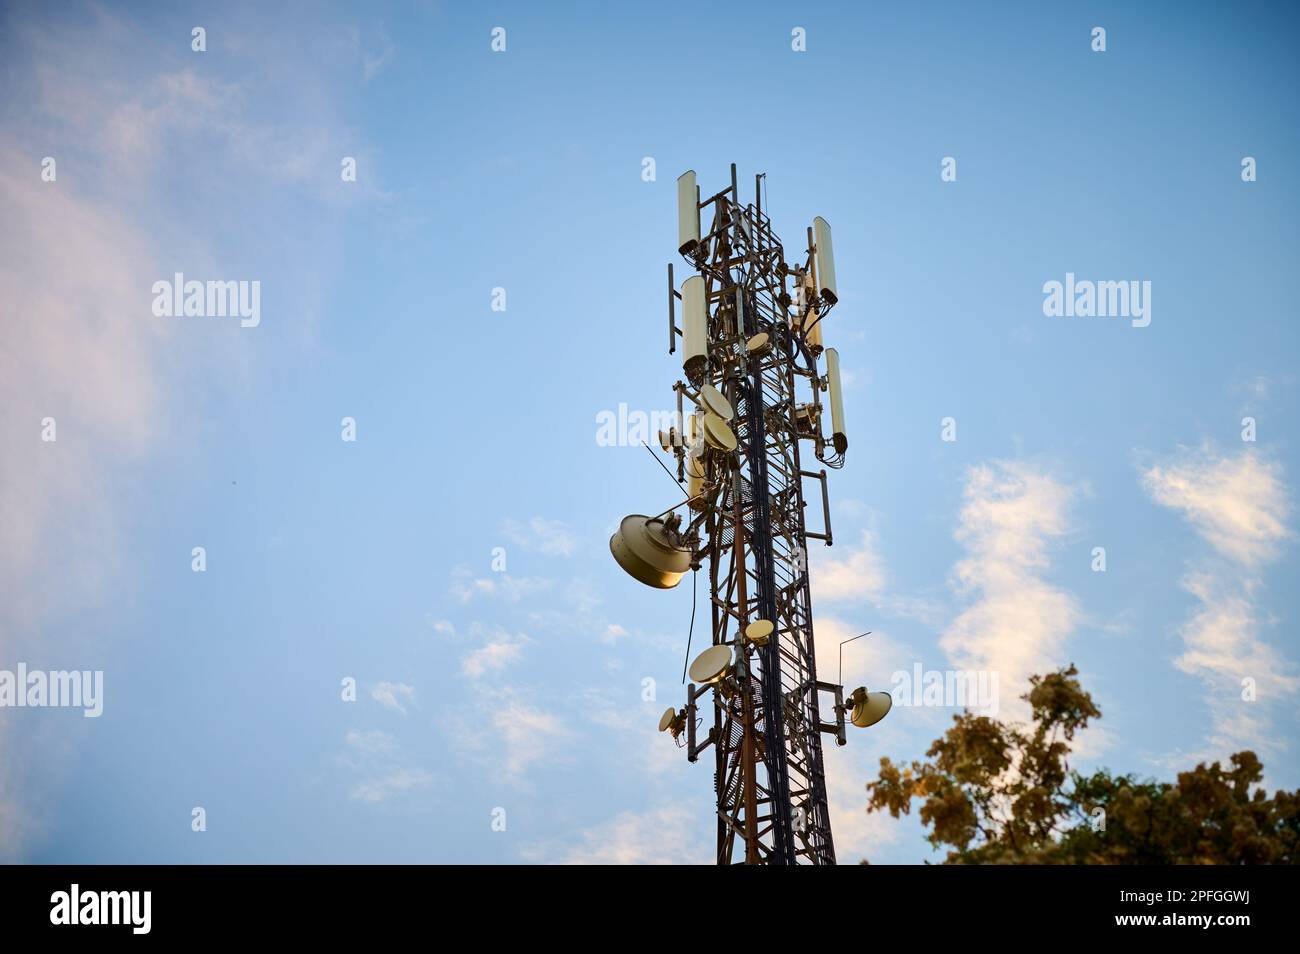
{"points": [[749, 410]]}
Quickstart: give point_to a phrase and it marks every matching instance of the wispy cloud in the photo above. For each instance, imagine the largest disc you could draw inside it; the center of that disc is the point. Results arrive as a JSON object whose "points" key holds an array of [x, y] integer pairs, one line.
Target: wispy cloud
{"points": [[577, 610], [526, 734], [1016, 622], [76, 356], [392, 694], [603, 706], [507, 729], [498, 648], [1238, 503], [849, 574], [613, 633], [550, 537], [379, 766], [125, 97], [859, 574], [1222, 639], [661, 836], [868, 660], [467, 588], [376, 50], [444, 627], [858, 835], [78, 256], [81, 356]]}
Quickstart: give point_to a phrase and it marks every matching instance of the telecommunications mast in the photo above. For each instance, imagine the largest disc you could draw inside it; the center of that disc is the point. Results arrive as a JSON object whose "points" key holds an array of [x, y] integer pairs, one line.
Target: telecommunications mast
{"points": [[752, 403]]}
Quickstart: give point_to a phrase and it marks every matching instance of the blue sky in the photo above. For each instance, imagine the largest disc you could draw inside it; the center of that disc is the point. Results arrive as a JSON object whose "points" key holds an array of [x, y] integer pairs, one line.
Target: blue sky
{"points": [[476, 429]]}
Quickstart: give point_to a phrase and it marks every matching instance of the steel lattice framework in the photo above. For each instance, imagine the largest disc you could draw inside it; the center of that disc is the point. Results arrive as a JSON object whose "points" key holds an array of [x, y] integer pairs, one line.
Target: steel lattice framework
{"points": [[751, 343], [770, 782]]}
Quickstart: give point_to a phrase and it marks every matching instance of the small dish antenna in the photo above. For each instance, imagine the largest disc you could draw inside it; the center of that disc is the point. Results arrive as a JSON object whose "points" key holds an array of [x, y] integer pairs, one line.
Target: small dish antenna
{"points": [[759, 631], [711, 665], [868, 707], [715, 403], [718, 435], [672, 721]]}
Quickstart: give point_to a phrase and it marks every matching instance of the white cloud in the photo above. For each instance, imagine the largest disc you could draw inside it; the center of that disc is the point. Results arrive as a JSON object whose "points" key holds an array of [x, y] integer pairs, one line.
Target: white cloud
{"points": [[613, 633], [1236, 502], [551, 537], [383, 787], [379, 766], [656, 753], [82, 355], [504, 728], [869, 660], [602, 706], [856, 833], [1239, 505], [1222, 638], [860, 574], [376, 51], [1018, 622], [499, 586], [500, 649], [662, 836], [132, 133], [72, 275], [578, 612], [392, 694], [78, 257], [526, 734]]}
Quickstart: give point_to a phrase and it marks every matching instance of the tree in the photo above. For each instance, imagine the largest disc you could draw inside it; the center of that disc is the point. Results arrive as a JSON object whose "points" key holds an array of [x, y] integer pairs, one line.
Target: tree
{"points": [[999, 792]]}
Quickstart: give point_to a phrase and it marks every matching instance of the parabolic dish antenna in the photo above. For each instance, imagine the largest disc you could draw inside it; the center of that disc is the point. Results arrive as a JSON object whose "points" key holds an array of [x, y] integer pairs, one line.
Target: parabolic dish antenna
{"points": [[869, 707], [717, 434], [643, 548], [715, 403], [711, 665]]}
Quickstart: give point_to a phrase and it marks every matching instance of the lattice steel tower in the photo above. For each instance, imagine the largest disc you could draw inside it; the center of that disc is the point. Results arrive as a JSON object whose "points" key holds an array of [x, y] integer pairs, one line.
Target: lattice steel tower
{"points": [[748, 412]]}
